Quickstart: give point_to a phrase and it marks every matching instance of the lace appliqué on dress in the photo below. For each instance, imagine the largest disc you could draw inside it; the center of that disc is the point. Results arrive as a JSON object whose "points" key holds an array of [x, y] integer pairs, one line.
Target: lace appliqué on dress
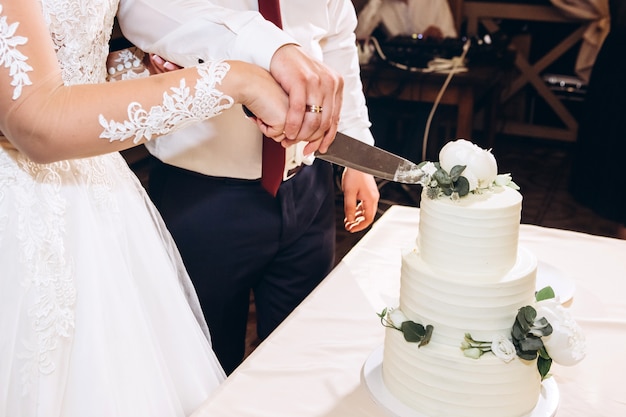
{"points": [[48, 278], [177, 110], [11, 57], [80, 31]]}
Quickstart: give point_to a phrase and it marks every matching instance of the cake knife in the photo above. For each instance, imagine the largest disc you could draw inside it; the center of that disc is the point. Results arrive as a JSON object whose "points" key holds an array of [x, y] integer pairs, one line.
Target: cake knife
{"points": [[352, 153]]}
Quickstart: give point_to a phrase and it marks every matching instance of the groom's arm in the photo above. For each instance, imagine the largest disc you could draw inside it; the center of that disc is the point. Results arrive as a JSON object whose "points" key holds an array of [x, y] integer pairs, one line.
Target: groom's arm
{"points": [[188, 31], [185, 31]]}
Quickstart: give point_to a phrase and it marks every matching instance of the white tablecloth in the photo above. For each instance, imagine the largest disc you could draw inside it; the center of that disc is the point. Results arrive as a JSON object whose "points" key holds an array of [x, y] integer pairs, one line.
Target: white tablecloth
{"points": [[311, 365]]}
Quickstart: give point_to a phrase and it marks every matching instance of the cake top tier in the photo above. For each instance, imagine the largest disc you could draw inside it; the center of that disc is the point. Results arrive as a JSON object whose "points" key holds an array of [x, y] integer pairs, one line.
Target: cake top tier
{"points": [[474, 236], [470, 215]]}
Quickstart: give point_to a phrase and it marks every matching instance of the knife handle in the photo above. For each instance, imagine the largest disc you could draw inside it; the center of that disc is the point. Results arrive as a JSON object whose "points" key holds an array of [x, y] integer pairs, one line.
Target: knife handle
{"points": [[248, 112]]}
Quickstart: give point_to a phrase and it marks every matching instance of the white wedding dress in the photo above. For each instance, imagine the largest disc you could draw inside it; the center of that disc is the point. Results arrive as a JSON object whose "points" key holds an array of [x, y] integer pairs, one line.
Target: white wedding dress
{"points": [[95, 316]]}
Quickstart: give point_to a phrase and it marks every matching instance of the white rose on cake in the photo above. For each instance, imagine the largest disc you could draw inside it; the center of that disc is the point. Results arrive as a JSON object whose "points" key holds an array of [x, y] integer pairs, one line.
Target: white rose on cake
{"points": [[481, 168], [566, 344], [503, 348]]}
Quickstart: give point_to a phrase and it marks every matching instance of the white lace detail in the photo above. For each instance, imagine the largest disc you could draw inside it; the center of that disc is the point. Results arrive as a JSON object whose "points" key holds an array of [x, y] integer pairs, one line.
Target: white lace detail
{"points": [[80, 31], [177, 109], [126, 65], [48, 277], [11, 57]]}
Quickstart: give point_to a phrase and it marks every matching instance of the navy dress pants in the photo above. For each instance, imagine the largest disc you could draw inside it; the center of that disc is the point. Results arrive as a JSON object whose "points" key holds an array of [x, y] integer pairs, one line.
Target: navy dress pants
{"points": [[234, 238]]}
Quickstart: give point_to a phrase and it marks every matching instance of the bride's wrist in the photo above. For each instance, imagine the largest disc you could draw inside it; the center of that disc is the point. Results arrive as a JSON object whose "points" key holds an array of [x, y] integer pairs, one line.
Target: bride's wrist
{"points": [[237, 82]]}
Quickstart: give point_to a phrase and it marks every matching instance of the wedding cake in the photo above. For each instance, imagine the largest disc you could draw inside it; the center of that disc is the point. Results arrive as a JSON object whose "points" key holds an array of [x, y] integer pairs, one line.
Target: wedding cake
{"points": [[469, 337]]}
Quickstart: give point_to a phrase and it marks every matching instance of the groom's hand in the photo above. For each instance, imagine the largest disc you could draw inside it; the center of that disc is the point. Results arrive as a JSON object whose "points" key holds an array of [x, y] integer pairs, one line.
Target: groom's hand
{"points": [[308, 82]]}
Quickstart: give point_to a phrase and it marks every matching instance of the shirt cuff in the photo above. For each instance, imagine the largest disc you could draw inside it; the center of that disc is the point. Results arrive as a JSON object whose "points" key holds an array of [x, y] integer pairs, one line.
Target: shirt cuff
{"points": [[257, 44]]}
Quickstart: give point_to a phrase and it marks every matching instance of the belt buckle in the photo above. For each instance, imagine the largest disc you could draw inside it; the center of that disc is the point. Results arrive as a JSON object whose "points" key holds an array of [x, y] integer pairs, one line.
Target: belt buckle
{"points": [[290, 173]]}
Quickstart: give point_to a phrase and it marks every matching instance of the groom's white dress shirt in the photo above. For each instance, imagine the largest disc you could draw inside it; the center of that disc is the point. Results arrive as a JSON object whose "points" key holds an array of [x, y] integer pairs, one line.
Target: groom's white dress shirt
{"points": [[186, 31]]}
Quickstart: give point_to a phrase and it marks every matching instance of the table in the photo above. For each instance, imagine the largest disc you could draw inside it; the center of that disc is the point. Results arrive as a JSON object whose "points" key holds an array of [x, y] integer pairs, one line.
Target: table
{"points": [[311, 365]]}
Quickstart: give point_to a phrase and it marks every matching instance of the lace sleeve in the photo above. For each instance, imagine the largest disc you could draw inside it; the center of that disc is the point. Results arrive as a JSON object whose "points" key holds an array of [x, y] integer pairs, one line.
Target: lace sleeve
{"points": [[48, 120]]}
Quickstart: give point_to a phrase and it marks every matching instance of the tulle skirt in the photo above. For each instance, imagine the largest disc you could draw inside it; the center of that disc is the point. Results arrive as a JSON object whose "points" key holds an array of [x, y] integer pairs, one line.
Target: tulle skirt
{"points": [[97, 315]]}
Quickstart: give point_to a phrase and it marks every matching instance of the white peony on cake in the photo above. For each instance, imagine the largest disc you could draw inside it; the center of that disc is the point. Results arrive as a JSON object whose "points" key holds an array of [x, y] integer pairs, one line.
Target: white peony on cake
{"points": [[467, 334]]}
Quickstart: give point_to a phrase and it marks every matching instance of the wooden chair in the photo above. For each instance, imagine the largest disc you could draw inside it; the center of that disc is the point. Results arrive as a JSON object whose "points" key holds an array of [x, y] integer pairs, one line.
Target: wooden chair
{"points": [[488, 15]]}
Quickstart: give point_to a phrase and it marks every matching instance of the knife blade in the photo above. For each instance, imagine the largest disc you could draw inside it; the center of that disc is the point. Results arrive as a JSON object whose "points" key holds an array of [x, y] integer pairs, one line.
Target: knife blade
{"points": [[352, 153]]}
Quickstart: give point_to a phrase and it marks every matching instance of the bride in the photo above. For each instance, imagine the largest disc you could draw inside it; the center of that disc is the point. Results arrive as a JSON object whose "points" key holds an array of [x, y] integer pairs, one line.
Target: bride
{"points": [[95, 316]]}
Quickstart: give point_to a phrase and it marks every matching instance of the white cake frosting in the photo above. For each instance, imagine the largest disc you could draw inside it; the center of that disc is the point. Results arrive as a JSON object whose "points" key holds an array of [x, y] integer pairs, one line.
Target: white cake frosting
{"points": [[466, 275], [479, 231]]}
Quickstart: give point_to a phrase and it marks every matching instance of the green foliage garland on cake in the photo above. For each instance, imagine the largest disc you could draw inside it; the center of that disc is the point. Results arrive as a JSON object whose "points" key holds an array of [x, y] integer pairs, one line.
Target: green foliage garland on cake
{"points": [[554, 336]]}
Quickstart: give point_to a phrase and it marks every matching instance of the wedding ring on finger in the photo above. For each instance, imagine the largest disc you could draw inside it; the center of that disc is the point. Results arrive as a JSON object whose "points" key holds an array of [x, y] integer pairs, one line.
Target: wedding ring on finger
{"points": [[312, 108]]}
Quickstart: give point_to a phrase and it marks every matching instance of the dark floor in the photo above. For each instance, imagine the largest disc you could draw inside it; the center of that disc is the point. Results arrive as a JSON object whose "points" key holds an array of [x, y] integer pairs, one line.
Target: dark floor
{"points": [[541, 169]]}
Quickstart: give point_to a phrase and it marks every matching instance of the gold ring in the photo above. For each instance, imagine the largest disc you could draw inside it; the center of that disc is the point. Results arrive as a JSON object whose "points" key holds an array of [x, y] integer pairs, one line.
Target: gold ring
{"points": [[312, 108]]}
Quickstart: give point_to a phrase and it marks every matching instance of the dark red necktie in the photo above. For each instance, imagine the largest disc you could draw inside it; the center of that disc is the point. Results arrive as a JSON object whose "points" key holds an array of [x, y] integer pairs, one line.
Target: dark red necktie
{"points": [[273, 164]]}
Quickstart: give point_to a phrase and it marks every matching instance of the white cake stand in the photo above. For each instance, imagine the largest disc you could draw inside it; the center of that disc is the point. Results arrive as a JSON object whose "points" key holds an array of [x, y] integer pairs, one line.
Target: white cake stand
{"points": [[373, 378]]}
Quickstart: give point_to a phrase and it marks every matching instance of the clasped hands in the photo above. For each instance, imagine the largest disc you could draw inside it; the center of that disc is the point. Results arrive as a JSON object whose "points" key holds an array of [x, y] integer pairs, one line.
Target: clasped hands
{"points": [[309, 108], [308, 104]]}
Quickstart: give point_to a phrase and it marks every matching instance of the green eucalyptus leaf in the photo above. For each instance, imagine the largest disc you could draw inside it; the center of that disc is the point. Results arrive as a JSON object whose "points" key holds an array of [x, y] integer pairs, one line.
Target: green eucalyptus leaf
{"points": [[526, 317], [541, 327], [531, 343], [545, 293], [543, 365], [462, 186], [544, 353], [413, 332], [442, 177], [547, 329], [527, 355], [517, 332], [427, 336], [456, 171]]}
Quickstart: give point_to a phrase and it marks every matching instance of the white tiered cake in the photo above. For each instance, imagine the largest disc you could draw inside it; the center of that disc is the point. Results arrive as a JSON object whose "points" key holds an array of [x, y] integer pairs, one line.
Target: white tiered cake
{"points": [[467, 277]]}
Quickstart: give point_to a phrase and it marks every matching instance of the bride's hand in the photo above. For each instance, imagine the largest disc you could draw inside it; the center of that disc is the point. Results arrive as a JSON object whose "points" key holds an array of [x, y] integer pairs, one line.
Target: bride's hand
{"points": [[258, 91]]}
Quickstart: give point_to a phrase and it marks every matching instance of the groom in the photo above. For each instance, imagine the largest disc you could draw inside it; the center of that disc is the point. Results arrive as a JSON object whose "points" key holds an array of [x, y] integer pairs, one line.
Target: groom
{"points": [[234, 236]]}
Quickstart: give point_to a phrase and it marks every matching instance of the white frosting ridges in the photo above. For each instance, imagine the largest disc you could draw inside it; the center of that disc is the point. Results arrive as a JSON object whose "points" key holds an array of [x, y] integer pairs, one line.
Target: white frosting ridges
{"points": [[475, 235], [468, 275], [439, 380], [454, 308]]}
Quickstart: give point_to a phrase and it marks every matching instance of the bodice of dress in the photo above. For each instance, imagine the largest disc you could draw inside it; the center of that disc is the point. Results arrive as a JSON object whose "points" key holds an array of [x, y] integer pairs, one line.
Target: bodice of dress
{"points": [[80, 38], [81, 30]]}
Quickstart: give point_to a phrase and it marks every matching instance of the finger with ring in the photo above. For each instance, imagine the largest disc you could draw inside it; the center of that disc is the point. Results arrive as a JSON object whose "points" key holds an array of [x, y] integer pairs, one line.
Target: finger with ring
{"points": [[312, 108]]}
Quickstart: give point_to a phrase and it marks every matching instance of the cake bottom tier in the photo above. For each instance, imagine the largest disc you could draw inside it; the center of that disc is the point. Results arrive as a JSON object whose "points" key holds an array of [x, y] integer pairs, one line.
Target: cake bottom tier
{"points": [[439, 380]]}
